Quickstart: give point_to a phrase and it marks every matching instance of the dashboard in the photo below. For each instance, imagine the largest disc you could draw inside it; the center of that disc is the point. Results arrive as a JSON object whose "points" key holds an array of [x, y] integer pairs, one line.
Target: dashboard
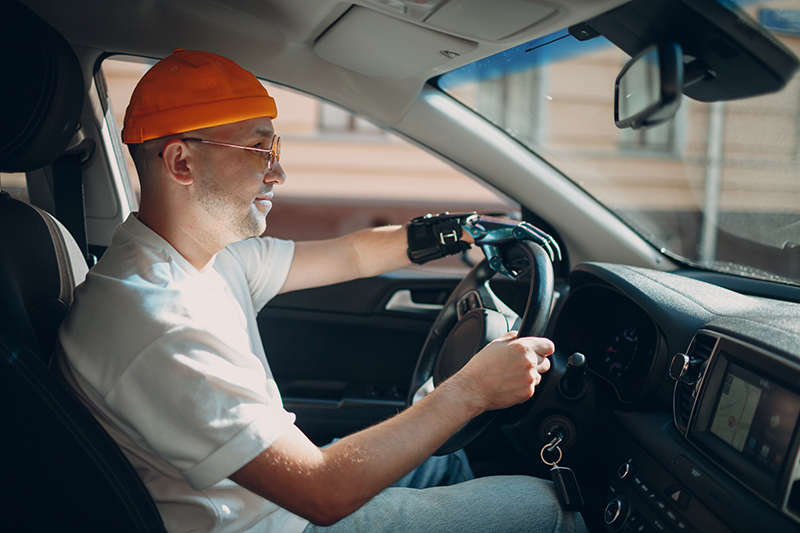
{"points": [[703, 430]]}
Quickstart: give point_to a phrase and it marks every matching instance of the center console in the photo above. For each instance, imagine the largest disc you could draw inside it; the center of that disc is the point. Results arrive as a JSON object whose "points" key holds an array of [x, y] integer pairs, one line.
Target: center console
{"points": [[728, 458]]}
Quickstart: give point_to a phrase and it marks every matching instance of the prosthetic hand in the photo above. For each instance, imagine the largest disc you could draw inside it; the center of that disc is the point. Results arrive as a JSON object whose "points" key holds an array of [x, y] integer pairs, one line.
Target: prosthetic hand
{"points": [[434, 236], [491, 232]]}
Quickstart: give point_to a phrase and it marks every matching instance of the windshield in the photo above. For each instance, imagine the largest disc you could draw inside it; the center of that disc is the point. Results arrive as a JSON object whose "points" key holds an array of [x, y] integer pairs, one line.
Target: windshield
{"points": [[718, 186]]}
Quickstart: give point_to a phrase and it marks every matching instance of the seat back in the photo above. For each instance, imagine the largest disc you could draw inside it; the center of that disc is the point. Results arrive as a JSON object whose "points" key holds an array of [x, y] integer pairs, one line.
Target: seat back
{"points": [[60, 470], [41, 264]]}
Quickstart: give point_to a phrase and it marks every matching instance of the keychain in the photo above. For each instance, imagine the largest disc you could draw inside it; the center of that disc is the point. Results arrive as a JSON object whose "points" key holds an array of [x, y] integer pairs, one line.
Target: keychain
{"points": [[567, 490]]}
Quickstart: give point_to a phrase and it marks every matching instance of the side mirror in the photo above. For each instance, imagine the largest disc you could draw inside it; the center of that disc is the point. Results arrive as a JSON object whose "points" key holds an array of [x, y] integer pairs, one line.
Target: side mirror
{"points": [[648, 88]]}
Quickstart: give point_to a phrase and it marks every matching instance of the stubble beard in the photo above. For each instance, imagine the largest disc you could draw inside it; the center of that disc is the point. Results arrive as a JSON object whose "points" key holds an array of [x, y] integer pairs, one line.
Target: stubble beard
{"points": [[227, 209]]}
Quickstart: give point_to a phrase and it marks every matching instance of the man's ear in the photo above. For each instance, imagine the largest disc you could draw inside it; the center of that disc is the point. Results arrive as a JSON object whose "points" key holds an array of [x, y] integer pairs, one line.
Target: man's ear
{"points": [[175, 157]]}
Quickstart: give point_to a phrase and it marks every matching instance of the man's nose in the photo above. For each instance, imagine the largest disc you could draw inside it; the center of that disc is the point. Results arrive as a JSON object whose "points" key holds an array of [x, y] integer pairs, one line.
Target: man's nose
{"points": [[276, 175]]}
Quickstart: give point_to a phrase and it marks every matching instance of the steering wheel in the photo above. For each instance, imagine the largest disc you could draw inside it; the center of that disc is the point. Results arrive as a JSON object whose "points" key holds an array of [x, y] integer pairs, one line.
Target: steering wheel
{"points": [[473, 316]]}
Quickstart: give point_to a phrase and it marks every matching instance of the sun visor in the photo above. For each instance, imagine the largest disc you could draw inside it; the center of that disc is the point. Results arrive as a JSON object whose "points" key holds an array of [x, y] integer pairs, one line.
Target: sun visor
{"points": [[395, 49]]}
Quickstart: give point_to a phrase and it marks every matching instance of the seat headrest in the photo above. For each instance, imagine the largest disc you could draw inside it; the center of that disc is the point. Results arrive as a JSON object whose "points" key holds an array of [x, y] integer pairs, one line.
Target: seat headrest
{"points": [[43, 90]]}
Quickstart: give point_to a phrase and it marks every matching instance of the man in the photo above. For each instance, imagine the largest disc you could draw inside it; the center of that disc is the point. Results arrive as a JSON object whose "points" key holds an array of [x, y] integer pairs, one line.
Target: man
{"points": [[162, 342]]}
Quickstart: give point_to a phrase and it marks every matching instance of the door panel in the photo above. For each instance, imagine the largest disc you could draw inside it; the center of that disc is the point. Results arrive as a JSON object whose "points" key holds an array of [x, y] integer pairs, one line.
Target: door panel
{"points": [[344, 361]]}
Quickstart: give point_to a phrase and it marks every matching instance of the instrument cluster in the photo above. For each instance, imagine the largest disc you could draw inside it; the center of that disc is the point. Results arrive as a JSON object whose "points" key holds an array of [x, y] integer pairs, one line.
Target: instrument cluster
{"points": [[618, 338]]}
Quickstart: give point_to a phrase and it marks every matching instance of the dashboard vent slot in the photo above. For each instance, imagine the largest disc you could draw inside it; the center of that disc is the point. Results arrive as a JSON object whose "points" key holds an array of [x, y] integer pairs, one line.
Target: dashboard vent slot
{"points": [[702, 346], [683, 401]]}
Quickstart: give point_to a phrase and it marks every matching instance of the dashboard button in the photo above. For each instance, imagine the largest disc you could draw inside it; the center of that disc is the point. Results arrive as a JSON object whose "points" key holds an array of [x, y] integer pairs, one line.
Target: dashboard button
{"points": [[690, 468], [678, 496], [700, 477], [643, 485], [636, 523], [658, 525], [658, 502]]}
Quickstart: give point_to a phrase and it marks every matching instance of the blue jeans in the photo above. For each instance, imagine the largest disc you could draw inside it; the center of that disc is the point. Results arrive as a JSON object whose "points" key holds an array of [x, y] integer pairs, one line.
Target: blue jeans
{"points": [[441, 495]]}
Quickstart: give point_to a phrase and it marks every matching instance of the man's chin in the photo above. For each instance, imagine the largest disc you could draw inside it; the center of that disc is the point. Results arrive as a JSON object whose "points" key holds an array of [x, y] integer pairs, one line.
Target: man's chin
{"points": [[260, 226], [251, 227]]}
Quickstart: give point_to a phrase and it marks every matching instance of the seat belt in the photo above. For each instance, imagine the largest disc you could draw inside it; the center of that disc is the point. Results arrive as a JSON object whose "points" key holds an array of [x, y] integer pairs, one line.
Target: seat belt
{"points": [[68, 198]]}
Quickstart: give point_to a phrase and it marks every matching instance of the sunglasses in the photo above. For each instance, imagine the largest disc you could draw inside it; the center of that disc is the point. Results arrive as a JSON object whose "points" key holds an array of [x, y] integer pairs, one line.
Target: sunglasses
{"points": [[270, 155]]}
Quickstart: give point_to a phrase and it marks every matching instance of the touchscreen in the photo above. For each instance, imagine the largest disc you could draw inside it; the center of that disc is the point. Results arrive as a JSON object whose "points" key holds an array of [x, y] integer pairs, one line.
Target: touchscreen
{"points": [[756, 417]]}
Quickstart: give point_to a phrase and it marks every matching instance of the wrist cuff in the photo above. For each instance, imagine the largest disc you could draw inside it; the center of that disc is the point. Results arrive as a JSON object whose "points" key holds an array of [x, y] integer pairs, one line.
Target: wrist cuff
{"points": [[434, 236]]}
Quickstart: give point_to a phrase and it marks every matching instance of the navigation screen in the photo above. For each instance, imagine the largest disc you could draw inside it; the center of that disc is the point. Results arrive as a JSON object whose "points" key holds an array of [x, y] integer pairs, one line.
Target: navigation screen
{"points": [[735, 411], [756, 417]]}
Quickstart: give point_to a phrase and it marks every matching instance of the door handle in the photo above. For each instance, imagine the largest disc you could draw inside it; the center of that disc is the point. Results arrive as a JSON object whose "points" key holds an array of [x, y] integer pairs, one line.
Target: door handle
{"points": [[402, 301]]}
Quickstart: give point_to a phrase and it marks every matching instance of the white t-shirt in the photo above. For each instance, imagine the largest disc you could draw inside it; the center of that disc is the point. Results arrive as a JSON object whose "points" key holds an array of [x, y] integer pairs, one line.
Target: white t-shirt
{"points": [[169, 359]]}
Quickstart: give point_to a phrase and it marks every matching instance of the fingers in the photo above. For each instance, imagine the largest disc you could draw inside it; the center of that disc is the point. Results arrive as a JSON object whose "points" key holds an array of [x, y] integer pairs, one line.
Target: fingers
{"points": [[507, 336], [535, 347], [536, 351], [510, 368], [541, 345], [542, 364]]}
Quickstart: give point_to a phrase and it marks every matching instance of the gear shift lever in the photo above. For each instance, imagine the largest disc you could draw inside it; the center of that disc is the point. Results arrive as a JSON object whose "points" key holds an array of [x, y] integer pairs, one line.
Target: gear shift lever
{"points": [[573, 382]]}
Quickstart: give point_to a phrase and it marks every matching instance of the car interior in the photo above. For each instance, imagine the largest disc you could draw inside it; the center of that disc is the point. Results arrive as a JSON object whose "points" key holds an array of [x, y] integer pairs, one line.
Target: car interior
{"points": [[655, 241]]}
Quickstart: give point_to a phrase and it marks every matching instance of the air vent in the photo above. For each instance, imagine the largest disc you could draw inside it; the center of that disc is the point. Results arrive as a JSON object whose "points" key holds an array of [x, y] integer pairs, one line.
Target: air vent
{"points": [[702, 346], [699, 352], [684, 401]]}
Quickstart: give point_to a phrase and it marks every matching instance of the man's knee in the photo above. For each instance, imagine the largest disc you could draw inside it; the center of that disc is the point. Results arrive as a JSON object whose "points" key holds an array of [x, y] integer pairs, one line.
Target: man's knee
{"points": [[523, 502]]}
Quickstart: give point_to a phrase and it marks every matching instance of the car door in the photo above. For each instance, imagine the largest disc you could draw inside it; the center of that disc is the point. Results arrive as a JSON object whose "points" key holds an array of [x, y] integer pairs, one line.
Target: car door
{"points": [[344, 355]]}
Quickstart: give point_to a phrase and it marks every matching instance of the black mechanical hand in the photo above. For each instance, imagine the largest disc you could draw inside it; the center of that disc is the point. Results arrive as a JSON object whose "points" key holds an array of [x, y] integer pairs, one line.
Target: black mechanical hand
{"points": [[491, 232]]}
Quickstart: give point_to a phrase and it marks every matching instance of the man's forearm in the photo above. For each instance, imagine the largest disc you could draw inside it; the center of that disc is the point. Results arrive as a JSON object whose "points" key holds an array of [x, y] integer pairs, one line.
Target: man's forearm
{"points": [[361, 254], [378, 250]]}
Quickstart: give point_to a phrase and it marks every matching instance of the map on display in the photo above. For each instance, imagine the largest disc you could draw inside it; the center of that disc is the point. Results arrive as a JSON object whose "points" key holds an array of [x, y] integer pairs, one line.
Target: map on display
{"points": [[735, 411]]}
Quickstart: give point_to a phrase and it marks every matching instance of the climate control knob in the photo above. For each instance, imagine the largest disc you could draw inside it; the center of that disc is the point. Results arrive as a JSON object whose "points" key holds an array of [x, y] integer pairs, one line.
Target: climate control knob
{"points": [[624, 470], [615, 514]]}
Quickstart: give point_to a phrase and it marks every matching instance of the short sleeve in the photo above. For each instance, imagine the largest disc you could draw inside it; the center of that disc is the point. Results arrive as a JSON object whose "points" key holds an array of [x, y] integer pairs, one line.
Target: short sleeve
{"points": [[264, 263]]}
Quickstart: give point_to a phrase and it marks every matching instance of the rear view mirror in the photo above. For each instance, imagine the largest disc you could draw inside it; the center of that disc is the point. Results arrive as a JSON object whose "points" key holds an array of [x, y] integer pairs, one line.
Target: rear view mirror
{"points": [[648, 88]]}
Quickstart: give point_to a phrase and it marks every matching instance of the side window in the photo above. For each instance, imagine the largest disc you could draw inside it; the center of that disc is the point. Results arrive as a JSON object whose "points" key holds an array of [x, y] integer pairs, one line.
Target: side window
{"points": [[336, 121], [15, 185], [343, 172], [120, 77]]}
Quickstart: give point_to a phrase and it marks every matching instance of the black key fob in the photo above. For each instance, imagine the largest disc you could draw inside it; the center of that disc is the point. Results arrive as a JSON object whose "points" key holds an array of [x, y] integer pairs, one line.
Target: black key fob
{"points": [[567, 491]]}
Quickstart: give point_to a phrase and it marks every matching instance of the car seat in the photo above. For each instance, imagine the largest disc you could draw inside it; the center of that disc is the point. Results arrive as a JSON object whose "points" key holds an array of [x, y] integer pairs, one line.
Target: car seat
{"points": [[60, 470]]}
